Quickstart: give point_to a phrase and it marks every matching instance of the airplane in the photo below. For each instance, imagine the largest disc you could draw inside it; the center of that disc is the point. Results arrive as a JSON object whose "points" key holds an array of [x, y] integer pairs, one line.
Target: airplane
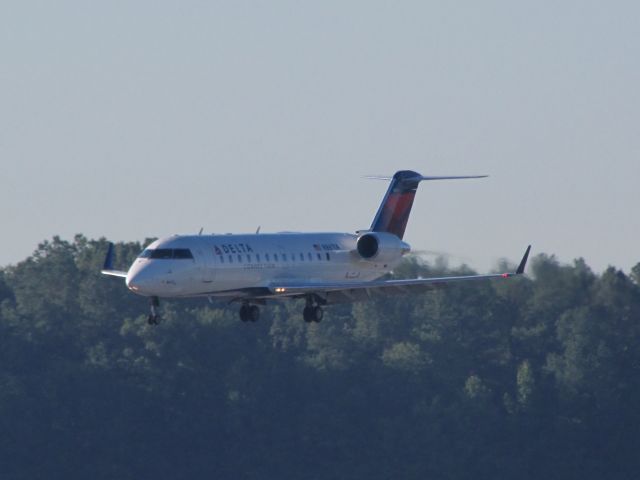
{"points": [[320, 268]]}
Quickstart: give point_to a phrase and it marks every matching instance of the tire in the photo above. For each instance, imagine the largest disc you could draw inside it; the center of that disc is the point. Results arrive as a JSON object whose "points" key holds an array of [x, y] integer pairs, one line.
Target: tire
{"points": [[253, 313], [307, 314], [244, 313], [317, 313]]}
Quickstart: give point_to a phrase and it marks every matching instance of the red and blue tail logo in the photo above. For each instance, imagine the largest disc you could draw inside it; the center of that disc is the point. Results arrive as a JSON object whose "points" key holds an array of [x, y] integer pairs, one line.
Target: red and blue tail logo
{"points": [[394, 211]]}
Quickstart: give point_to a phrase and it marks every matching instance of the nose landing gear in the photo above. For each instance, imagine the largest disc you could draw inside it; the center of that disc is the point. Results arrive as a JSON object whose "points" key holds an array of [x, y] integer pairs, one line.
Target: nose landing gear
{"points": [[154, 317]]}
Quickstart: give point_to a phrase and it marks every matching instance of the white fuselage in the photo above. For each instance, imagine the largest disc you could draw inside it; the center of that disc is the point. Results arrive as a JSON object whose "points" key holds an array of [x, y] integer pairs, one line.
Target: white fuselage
{"points": [[213, 265]]}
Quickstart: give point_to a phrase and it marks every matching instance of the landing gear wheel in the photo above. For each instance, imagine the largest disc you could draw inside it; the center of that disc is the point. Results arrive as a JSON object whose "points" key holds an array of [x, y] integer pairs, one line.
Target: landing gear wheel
{"points": [[249, 313], [244, 312], [312, 313], [253, 313], [153, 319], [317, 313], [307, 314]]}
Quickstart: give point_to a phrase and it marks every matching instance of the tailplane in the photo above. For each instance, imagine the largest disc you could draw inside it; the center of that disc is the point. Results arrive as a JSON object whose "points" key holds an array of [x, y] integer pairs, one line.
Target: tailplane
{"points": [[395, 208]]}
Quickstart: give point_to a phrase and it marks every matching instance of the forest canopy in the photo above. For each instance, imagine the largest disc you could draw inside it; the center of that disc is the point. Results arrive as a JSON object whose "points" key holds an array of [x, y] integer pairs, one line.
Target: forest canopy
{"points": [[537, 377]]}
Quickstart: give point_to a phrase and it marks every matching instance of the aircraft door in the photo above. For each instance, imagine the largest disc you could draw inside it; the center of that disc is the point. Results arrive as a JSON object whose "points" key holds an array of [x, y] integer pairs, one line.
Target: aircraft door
{"points": [[207, 264]]}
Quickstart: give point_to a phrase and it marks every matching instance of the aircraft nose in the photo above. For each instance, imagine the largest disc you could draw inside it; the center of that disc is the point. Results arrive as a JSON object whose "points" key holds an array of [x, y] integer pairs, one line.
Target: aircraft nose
{"points": [[136, 280]]}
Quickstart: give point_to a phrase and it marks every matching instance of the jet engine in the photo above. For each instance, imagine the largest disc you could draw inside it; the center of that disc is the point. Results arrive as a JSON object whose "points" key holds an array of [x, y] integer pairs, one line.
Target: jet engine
{"points": [[381, 247]]}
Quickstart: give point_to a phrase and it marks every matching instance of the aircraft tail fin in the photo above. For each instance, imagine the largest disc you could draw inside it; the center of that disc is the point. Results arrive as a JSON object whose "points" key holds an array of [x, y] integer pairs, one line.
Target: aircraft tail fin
{"points": [[395, 208]]}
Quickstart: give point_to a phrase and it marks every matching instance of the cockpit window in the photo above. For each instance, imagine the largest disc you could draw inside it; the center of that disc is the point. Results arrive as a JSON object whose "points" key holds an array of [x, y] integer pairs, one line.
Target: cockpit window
{"points": [[167, 253], [182, 253], [163, 253]]}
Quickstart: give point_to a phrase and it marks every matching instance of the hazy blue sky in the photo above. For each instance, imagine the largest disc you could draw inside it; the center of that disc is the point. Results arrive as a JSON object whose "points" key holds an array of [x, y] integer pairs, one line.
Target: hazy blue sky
{"points": [[134, 119]]}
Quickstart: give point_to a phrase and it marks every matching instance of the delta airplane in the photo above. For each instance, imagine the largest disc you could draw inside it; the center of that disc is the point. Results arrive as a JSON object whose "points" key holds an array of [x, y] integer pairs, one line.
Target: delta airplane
{"points": [[320, 268]]}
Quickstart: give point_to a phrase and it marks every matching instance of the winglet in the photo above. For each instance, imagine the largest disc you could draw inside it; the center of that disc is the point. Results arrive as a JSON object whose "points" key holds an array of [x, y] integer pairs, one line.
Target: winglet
{"points": [[108, 260], [523, 262]]}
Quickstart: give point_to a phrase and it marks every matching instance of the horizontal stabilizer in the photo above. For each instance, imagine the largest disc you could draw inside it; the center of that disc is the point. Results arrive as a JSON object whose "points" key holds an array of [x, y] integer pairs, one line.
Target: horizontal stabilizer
{"points": [[422, 177]]}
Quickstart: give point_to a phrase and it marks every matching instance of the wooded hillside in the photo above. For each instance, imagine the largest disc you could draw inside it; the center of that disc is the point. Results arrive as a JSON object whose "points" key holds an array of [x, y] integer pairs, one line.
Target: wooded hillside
{"points": [[537, 377]]}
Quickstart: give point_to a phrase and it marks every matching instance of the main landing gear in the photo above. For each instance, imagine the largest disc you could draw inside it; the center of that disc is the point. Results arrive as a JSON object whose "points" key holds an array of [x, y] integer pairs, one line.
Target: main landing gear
{"points": [[249, 313], [154, 317], [312, 311]]}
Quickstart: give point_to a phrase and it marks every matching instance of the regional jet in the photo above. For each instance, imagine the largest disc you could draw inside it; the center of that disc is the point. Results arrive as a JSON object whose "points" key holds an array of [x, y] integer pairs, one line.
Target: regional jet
{"points": [[319, 268]]}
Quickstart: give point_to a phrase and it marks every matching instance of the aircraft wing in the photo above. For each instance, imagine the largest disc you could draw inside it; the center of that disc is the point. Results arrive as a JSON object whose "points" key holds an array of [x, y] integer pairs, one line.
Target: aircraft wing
{"points": [[114, 273], [339, 292]]}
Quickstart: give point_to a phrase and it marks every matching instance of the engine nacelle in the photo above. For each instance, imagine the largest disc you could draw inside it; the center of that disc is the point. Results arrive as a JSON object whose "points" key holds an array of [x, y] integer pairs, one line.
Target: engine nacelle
{"points": [[381, 247]]}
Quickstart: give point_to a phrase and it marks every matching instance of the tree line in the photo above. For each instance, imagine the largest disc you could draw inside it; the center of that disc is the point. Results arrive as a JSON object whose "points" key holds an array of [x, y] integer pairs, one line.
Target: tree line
{"points": [[537, 377]]}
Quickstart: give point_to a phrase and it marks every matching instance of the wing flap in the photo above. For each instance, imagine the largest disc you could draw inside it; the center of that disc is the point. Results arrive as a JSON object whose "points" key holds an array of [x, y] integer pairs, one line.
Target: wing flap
{"points": [[402, 286]]}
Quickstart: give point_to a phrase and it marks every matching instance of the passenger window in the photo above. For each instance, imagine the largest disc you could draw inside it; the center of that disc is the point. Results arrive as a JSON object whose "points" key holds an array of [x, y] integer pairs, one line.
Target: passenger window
{"points": [[293, 257], [258, 257], [319, 257], [239, 258], [248, 258], [266, 256], [284, 257], [230, 259], [275, 257], [328, 257], [221, 258], [302, 257], [309, 256]]}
